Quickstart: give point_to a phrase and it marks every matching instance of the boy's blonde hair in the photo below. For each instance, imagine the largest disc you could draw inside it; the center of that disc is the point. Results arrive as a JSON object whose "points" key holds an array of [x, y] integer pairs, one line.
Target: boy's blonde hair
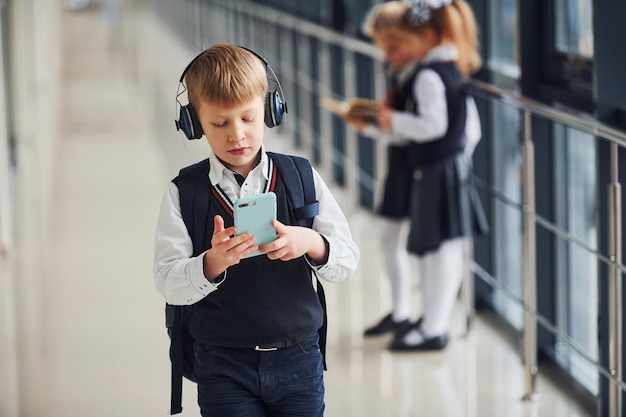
{"points": [[227, 75], [452, 23]]}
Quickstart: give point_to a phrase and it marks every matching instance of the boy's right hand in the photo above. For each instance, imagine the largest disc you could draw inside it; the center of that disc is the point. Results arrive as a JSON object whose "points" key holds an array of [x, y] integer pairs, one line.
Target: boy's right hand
{"points": [[226, 249]]}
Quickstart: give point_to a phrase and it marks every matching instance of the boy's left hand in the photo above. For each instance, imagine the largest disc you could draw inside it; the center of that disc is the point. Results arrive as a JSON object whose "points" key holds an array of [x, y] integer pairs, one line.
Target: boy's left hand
{"points": [[294, 241]]}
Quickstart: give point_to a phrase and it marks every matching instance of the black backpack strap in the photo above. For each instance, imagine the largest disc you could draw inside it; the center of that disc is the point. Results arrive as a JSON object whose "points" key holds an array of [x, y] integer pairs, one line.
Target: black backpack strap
{"points": [[194, 190], [323, 331], [311, 206], [173, 322], [298, 176], [194, 194]]}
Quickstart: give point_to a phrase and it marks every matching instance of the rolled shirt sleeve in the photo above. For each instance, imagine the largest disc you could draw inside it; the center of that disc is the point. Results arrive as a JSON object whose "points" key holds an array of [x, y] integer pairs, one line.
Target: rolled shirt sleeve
{"points": [[331, 222], [179, 277], [432, 121]]}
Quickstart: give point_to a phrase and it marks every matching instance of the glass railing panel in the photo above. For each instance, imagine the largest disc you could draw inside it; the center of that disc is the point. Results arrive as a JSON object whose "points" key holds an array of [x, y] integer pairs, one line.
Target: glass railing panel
{"points": [[506, 200], [575, 196]]}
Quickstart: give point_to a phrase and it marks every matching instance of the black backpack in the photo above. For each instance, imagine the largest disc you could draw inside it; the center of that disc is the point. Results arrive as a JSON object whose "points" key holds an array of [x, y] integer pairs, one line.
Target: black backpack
{"points": [[194, 191]]}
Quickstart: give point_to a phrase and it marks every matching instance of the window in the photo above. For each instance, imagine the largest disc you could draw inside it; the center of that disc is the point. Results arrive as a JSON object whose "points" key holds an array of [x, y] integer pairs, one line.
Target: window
{"points": [[504, 48], [503, 62], [568, 56], [574, 28]]}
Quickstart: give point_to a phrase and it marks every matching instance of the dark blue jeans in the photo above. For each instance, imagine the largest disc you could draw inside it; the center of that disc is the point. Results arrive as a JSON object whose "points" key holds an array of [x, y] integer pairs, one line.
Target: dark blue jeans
{"points": [[287, 382]]}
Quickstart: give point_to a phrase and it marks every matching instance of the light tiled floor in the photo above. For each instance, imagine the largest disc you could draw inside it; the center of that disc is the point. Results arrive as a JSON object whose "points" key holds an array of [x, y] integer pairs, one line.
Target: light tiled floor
{"points": [[98, 346]]}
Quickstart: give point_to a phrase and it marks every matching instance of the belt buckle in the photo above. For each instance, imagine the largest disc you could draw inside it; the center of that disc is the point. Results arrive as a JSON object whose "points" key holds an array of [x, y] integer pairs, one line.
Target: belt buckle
{"points": [[260, 349]]}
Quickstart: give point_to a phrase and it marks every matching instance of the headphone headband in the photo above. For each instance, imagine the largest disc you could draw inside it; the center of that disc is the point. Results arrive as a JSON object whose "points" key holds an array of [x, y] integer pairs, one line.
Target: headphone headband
{"points": [[275, 105]]}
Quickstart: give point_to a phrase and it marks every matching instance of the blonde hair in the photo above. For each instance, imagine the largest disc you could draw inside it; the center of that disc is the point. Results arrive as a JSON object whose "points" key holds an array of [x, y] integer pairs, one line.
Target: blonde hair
{"points": [[453, 23], [227, 75], [386, 19]]}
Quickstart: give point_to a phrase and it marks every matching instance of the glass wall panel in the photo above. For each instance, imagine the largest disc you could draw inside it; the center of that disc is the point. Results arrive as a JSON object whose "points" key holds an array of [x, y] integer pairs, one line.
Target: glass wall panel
{"points": [[577, 285]]}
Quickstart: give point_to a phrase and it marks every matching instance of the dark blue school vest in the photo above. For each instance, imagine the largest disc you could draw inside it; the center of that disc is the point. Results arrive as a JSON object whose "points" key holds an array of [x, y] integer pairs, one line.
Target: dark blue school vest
{"points": [[454, 139], [260, 301]]}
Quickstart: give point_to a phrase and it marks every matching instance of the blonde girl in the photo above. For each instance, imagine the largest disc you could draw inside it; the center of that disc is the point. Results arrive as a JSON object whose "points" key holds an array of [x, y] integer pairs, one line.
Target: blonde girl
{"points": [[432, 45]]}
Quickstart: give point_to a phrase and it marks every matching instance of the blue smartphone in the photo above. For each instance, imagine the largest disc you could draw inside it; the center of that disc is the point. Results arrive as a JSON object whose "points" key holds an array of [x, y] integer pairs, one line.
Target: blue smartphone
{"points": [[254, 214]]}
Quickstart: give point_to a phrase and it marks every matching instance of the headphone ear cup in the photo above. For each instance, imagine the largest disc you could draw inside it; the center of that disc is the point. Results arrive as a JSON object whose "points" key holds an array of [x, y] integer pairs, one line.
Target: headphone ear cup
{"points": [[274, 109], [269, 118], [189, 123]]}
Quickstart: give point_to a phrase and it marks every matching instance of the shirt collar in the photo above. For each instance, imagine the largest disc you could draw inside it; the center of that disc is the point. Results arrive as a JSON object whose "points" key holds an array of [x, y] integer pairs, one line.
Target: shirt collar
{"points": [[445, 52], [403, 73], [216, 173]]}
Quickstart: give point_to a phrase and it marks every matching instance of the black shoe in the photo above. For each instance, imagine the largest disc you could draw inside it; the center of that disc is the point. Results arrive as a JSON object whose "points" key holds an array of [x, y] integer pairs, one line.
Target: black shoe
{"points": [[432, 343], [386, 325]]}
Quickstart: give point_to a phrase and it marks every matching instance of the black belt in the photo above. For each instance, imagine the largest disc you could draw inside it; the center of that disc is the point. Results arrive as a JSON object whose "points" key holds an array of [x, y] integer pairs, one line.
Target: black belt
{"points": [[284, 343]]}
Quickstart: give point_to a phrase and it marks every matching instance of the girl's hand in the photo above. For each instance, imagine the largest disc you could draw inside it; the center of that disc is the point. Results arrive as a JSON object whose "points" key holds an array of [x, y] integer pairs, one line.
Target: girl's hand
{"points": [[226, 249], [356, 123], [294, 241], [384, 118]]}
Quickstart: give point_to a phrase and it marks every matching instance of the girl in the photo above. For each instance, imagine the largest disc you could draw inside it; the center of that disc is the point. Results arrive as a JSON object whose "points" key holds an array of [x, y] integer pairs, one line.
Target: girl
{"points": [[432, 46]]}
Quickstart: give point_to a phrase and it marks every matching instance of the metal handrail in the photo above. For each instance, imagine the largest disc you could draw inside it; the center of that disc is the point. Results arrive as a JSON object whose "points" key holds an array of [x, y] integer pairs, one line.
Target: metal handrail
{"points": [[305, 27], [578, 120]]}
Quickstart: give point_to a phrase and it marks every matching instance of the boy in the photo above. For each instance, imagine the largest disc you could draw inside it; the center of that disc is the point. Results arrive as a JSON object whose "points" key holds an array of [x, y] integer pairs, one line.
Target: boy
{"points": [[255, 320]]}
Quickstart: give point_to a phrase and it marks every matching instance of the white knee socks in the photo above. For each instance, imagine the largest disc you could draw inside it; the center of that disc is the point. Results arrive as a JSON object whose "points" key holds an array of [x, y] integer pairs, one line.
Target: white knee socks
{"points": [[394, 238], [441, 273]]}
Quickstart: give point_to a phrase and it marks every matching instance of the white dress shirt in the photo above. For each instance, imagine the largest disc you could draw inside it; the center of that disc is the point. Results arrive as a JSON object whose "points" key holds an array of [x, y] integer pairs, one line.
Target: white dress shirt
{"points": [[432, 122], [179, 277]]}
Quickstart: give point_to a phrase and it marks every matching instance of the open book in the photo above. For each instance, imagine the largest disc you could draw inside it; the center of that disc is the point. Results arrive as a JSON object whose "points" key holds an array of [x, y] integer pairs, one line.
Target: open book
{"points": [[359, 108]]}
